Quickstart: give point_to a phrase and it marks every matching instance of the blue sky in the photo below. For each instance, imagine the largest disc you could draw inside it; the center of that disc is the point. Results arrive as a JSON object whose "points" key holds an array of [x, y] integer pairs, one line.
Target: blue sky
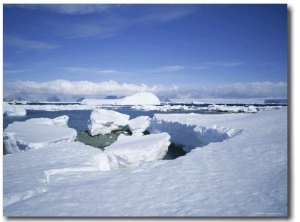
{"points": [[172, 50]]}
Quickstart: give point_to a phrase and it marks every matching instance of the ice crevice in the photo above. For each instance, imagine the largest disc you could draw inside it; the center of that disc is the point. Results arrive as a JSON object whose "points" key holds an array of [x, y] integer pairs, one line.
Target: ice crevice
{"points": [[191, 136]]}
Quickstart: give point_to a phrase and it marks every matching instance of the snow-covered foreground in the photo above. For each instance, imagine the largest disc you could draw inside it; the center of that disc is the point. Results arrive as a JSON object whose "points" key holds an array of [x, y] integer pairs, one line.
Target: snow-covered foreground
{"points": [[245, 175]]}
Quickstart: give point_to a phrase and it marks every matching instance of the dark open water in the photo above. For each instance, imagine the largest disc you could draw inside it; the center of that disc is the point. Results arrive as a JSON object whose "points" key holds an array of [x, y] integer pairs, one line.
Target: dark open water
{"points": [[78, 118]]}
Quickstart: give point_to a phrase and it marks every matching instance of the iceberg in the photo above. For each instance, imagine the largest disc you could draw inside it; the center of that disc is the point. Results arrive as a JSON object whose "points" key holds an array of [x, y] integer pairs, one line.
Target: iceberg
{"points": [[104, 121], [143, 98], [37, 133], [129, 151], [13, 110]]}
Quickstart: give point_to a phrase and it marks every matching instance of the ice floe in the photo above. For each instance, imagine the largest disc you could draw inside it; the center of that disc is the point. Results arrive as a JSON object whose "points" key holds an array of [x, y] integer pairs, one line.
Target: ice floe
{"points": [[104, 121], [13, 110], [37, 133], [139, 125], [130, 151]]}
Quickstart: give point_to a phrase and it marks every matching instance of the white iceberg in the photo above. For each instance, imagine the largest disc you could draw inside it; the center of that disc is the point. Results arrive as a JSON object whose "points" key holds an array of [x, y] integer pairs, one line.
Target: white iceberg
{"points": [[13, 110], [130, 151], [143, 98], [139, 125], [104, 121], [37, 133]]}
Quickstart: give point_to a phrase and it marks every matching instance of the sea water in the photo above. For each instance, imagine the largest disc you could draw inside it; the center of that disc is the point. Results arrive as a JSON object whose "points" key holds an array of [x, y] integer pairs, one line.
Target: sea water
{"points": [[78, 119]]}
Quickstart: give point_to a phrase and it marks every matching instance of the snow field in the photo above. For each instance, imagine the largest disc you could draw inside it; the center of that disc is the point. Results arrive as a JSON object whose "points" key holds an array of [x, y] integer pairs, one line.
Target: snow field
{"points": [[245, 175], [27, 174]]}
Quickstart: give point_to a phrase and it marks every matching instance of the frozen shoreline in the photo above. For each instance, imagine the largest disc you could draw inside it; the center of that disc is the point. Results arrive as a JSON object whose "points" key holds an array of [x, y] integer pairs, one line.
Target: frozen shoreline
{"points": [[245, 175]]}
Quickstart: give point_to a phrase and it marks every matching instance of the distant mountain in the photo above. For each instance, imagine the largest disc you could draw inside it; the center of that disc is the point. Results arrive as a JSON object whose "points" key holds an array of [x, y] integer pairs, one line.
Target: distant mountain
{"points": [[165, 100], [276, 101], [53, 99], [111, 97], [80, 99]]}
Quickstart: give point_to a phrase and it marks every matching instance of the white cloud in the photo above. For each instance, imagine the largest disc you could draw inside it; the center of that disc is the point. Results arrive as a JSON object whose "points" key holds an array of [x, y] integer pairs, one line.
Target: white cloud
{"points": [[209, 65], [85, 71], [27, 44], [67, 89], [167, 12], [232, 64], [15, 71], [111, 20], [174, 68], [70, 9], [102, 28]]}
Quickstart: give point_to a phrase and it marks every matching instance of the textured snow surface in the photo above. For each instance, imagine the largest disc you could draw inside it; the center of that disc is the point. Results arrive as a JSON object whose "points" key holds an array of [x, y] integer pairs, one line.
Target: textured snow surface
{"points": [[13, 110], [37, 133], [245, 175], [104, 121], [143, 98]]}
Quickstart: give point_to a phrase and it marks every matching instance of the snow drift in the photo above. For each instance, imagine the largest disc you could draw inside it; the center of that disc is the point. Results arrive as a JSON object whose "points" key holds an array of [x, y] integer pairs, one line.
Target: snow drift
{"points": [[191, 135]]}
